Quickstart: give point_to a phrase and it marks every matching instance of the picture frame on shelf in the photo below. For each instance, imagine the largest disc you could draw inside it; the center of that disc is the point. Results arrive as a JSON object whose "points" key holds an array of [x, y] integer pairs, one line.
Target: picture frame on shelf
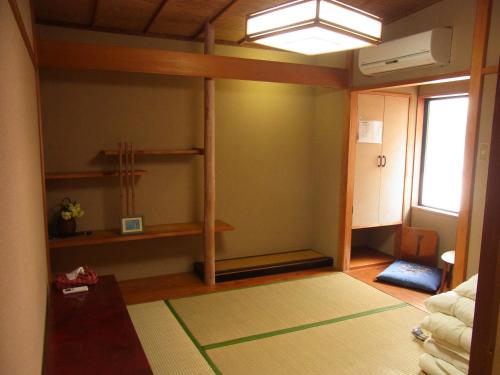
{"points": [[131, 225]]}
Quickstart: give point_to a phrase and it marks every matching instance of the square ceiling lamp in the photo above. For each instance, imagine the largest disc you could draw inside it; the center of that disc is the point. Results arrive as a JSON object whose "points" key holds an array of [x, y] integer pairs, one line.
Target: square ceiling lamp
{"points": [[312, 27]]}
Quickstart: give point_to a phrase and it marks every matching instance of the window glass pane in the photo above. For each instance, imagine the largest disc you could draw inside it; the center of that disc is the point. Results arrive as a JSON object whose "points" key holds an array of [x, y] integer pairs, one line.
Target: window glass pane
{"points": [[441, 184]]}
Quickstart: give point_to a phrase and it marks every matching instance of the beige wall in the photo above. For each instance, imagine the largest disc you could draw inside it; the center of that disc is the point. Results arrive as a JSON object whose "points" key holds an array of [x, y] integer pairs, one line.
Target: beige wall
{"points": [[493, 42], [269, 177], [23, 278], [328, 139]]}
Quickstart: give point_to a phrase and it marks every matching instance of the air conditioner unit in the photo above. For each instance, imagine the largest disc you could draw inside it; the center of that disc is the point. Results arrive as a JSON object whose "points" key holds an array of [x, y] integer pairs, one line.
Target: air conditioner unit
{"points": [[432, 47]]}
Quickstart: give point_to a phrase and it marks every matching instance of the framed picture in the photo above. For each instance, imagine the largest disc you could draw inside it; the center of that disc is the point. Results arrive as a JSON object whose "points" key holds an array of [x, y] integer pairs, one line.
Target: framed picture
{"points": [[132, 225]]}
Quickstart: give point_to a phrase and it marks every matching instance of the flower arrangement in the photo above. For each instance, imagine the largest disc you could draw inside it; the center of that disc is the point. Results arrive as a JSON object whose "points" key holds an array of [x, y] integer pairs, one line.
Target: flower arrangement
{"points": [[70, 209]]}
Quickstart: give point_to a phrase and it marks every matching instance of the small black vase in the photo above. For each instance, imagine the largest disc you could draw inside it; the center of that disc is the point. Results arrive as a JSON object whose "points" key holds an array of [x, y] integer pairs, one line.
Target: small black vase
{"points": [[66, 228]]}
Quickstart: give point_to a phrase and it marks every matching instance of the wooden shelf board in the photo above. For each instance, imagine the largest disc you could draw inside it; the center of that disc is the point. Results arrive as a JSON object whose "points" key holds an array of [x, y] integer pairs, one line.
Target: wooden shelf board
{"points": [[376, 225], [153, 231], [90, 174], [189, 151], [366, 257]]}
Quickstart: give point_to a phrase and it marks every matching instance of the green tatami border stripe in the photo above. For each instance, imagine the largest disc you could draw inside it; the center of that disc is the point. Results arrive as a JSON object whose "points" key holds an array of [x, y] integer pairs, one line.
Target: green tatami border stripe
{"points": [[302, 327], [193, 339]]}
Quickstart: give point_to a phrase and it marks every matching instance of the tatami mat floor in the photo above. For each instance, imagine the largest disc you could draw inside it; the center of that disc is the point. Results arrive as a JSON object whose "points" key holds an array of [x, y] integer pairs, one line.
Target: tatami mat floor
{"points": [[322, 324]]}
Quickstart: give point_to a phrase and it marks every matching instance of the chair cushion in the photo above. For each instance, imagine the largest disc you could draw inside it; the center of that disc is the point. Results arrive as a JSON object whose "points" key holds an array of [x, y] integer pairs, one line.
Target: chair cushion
{"points": [[412, 275]]}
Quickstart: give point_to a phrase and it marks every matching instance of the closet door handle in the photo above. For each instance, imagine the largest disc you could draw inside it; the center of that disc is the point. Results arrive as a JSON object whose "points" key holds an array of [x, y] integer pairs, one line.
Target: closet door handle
{"points": [[384, 161], [379, 161]]}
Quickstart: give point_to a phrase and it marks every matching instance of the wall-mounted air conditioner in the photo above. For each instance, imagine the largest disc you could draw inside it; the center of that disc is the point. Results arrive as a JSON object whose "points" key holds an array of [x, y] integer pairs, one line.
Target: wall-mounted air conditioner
{"points": [[432, 47]]}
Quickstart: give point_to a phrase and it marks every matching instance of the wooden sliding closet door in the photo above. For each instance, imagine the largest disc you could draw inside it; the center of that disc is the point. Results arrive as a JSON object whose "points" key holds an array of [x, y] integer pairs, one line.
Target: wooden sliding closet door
{"points": [[367, 173], [394, 159], [380, 167]]}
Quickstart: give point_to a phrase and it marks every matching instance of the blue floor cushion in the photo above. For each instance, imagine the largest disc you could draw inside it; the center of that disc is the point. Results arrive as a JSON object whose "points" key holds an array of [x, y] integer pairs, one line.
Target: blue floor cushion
{"points": [[412, 275]]}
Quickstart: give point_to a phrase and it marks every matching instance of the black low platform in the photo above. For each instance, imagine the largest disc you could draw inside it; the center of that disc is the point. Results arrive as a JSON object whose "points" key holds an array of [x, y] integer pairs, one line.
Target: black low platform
{"points": [[261, 265]]}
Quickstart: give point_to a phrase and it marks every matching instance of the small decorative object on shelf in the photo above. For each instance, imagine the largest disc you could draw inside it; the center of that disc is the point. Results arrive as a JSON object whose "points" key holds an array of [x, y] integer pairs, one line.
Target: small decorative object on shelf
{"points": [[132, 225], [66, 223]]}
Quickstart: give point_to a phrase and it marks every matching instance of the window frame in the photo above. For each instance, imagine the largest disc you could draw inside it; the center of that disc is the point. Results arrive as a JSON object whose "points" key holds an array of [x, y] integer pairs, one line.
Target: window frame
{"points": [[423, 145]]}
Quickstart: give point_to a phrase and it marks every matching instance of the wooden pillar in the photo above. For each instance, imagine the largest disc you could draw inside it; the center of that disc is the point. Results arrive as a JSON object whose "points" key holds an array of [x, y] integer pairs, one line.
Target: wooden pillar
{"points": [[345, 217], [479, 47], [209, 209], [344, 253]]}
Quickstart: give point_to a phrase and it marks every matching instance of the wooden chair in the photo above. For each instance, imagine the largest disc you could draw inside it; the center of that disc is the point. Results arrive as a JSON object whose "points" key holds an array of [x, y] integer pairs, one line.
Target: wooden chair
{"points": [[420, 246]]}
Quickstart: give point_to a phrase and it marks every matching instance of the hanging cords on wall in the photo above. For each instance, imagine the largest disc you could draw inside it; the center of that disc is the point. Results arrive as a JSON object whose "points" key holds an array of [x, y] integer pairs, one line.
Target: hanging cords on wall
{"points": [[127, 178]]}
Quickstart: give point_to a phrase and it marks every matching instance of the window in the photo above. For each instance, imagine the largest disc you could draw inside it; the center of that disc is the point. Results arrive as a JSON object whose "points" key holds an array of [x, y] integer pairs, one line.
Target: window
{"points": [[443, 152]]}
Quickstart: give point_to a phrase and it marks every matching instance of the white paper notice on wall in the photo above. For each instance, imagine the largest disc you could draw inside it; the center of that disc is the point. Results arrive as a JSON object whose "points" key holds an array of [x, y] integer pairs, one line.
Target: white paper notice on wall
{"points": [[370, 131]]}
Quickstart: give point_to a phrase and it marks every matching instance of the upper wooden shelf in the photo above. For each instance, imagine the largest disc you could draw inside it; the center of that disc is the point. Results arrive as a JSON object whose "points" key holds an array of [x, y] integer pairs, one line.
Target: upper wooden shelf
{"points": [[189, 151], [91, 174], [153, 231]]}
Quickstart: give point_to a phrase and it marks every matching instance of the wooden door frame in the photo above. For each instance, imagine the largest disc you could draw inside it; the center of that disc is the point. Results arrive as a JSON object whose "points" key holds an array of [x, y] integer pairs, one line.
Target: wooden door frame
{"points": [[476, 75], [479, 50], [486, 314], [348, 175]]}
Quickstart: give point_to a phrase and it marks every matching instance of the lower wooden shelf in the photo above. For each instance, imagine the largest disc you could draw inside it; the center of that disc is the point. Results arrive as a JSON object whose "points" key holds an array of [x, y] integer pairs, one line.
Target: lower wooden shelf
{"points": [[153, 231], [88, 174], [366, 257], [269, 264]]}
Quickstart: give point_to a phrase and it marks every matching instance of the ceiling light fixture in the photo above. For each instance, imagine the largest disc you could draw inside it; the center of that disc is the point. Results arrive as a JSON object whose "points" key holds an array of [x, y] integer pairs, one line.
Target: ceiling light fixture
{"points": [[312, 27]]}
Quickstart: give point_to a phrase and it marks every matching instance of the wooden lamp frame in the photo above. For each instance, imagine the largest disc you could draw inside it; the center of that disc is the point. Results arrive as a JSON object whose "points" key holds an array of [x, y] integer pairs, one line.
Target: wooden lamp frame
{"points": [[317, 21]]}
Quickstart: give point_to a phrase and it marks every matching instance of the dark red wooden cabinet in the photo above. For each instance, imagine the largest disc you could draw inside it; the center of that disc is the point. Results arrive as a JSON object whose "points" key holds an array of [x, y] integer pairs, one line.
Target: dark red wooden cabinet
{"points": [[91, 333]]}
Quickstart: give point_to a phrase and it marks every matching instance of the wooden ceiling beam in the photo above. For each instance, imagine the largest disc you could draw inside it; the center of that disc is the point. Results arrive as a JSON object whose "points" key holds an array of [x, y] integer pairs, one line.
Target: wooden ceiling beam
{"points": [[462, 75], [212, 20], [81, 56], [155, 16]]}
